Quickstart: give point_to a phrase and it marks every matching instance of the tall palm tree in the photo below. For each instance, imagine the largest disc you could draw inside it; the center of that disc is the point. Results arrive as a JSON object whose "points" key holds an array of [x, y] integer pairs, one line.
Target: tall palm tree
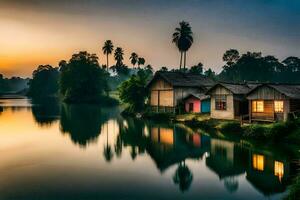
{"points": [[134, 58], [183, 39], [141, 61], [107, 49], [118, 55]]}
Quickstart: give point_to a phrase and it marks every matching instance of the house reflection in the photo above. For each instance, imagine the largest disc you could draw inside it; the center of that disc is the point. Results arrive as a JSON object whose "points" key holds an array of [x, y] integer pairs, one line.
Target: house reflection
{"points": [[171, 145], [228, 160], [269, 174]]}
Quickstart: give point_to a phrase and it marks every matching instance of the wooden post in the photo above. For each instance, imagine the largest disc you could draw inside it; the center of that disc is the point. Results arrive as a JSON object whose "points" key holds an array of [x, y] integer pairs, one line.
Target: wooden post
{"points": [[250, 111], [158, 100]]}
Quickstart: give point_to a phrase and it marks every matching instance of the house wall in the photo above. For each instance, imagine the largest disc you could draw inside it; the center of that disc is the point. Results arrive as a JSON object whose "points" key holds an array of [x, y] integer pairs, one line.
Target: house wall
{"points": [[196, 102], [222, 114], [161, 94], [205, 106], [294, 105], [266, 93], [269, 95], [268, 113]]}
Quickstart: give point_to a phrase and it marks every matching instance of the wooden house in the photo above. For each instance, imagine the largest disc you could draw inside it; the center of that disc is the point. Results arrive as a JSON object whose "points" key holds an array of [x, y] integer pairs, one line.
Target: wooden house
{"points": [[228, 101], [273, 102], [168, 89], [194, 103]]}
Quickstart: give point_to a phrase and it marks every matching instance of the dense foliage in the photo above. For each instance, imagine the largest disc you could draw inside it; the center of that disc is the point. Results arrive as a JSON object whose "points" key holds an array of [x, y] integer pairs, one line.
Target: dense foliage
{"points": [[44, 81], [133, 91], [253, 66], [82, 79]]}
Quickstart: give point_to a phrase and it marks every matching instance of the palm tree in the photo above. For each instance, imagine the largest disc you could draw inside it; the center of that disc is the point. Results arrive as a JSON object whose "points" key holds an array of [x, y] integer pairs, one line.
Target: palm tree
{"points": [[183, 38], [118, 55], [134, 58], [107, 49], [141, 61]]}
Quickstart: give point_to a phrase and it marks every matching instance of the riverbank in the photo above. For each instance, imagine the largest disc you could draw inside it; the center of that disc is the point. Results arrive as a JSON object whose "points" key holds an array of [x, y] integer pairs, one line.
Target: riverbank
{"points": [[287, 132]]}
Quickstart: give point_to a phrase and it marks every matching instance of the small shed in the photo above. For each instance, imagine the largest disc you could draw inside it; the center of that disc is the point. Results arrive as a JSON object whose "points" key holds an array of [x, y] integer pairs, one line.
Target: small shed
{"points": [[197, 103], [273, 102]]}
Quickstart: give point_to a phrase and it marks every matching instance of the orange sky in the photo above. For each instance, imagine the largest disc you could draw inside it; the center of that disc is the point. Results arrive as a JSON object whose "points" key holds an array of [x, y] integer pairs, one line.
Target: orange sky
{"points": [[46, 32]]}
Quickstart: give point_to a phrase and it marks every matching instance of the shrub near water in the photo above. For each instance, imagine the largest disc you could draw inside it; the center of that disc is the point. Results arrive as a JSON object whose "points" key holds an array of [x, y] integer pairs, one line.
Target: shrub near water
{"points": [[256, 131], [279, 131], [231, 127]]}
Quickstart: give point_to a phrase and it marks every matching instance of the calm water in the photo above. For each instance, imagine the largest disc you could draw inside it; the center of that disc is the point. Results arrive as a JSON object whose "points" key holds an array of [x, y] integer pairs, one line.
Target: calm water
{"points": [[53, 151]]}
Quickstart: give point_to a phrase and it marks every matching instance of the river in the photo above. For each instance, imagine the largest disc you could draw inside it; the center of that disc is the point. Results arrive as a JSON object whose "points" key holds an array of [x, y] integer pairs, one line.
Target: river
{"points": [[57, 151]]}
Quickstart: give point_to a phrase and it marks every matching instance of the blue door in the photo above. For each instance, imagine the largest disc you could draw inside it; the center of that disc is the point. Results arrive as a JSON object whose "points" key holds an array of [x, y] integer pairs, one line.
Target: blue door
{"points": [[205, 106]]}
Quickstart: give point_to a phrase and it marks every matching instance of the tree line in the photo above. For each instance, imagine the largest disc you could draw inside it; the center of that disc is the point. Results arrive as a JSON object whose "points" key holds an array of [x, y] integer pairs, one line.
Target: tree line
{"points": [[13, 85], [84, 79]]}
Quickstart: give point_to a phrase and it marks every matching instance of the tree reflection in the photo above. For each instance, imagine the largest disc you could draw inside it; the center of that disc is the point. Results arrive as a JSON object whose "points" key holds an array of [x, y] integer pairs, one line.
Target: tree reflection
{"points": [[118, 146], [107, 152], [183, 177], [231, 184], [45, 111], [132, 135], [82, 122]]}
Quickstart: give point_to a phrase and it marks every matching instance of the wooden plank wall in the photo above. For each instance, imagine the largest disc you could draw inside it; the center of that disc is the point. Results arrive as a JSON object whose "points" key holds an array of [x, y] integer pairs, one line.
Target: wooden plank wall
{"points": [[295, 105], [161, 94], [222, 114], [268, 113], [266, 93]]}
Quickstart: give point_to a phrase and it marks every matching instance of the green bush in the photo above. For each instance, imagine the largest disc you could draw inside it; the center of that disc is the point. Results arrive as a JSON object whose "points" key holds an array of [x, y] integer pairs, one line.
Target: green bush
{"points": [[231, 127], [256, 131], [278, 131]]}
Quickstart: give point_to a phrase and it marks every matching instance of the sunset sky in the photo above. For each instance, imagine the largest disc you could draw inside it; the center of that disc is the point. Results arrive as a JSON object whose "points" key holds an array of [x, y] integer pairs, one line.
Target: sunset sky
{"points": [[37, 32]]}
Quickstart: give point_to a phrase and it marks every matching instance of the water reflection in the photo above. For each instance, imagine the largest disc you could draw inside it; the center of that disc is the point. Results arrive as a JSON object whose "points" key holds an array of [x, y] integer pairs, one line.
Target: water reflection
{"points": [[171, 145], [46, 111], [188, 160], [183, 176], [82, 123]]}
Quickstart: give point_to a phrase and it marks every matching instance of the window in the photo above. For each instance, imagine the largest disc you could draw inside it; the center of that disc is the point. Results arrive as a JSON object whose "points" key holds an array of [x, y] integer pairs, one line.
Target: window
{"points": [[258, 162], [278, 169], [278, 106], [221, 103], [257, 106]]}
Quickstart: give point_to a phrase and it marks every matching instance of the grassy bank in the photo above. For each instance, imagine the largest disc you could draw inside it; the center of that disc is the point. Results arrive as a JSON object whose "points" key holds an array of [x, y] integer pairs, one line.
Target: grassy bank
{"points": [[274, 132]]}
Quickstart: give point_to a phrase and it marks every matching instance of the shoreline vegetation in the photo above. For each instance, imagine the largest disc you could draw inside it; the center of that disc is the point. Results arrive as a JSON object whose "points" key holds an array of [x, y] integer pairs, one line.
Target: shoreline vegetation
{"points": [[277, 132]]}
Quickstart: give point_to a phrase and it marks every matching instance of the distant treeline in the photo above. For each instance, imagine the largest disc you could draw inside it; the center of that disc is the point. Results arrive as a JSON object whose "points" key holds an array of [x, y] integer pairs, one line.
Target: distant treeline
{"points": [[13, 85], [251, 66]]}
